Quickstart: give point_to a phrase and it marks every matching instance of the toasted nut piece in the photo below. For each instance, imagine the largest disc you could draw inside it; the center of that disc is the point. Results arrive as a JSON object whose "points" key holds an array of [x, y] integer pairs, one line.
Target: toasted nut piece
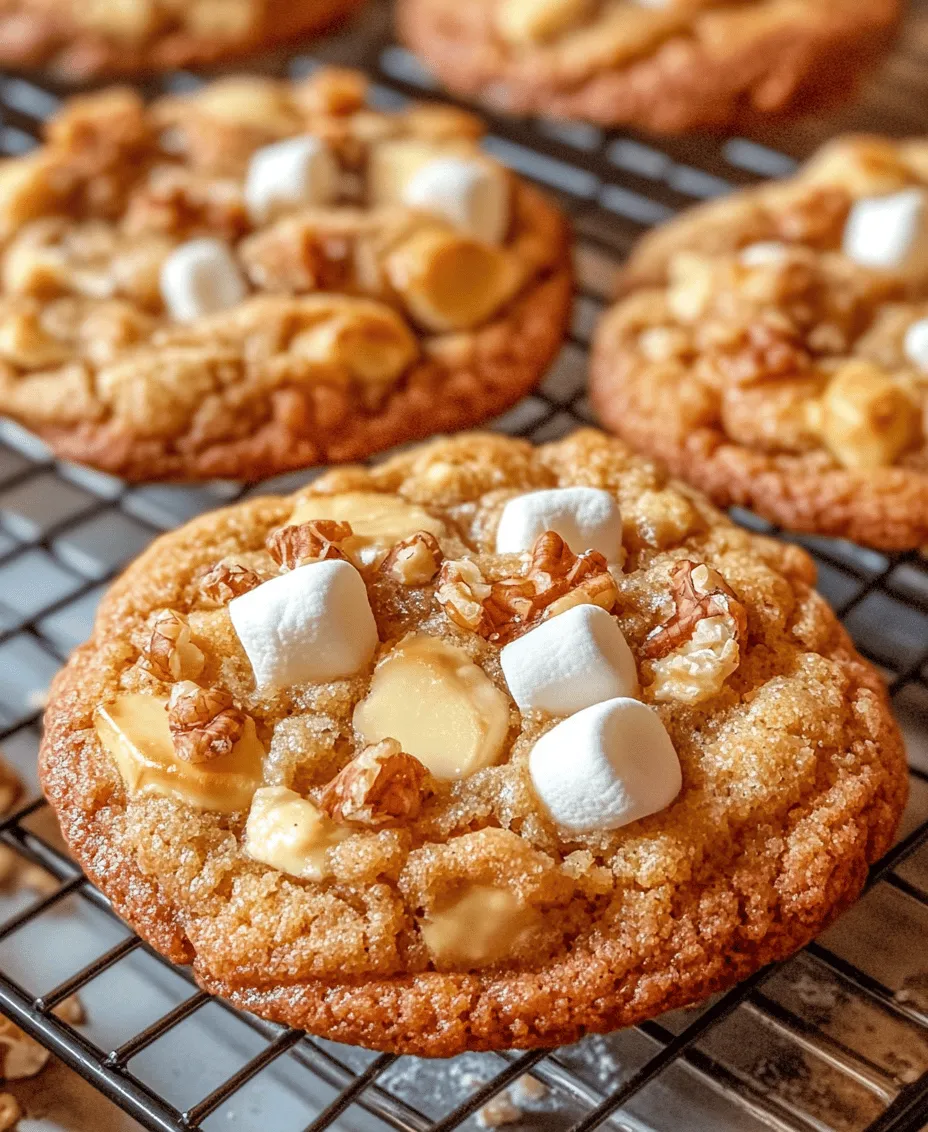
{"points": [[25, 343], [436, 122], [461, 593], [10, 1112], [20, 1055], [380, 786], [374, 347], [26, 191], [171, 653], [449, 281], [204, 722], [333, 90], [313, 541], [564, 579], [534, 21], [598, 590], [414, 561], [866, 419], [439, 706], [227, 580], [699, 647]]}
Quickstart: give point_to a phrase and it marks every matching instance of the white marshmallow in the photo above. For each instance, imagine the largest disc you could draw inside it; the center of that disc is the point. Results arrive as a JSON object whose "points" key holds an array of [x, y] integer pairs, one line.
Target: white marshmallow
{"points": [[763, 253], [606, 766], [586, 518], [200, 278], [571, 662], [471, 195], [890, 232], [313, 623], [916, 344], [296, 173]]}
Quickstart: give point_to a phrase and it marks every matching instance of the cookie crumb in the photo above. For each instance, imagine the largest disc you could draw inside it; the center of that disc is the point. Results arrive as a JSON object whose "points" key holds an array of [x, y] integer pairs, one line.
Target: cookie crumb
{"points": [[498, 1111], [527, 1090]]}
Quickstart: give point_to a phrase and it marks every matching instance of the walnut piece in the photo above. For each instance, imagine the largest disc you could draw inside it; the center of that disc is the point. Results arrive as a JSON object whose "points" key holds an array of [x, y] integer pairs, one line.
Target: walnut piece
{"points": [[556, 580], [171, 653], [414, 561], [226, 580], [313, 541], [699, 647], [381, 786], [204, 722], [10, 1112]]}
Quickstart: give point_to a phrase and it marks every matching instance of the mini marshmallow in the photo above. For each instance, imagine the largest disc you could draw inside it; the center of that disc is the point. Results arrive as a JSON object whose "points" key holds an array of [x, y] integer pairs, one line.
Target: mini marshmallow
{"points": [[313, 623], [890, 232], [605, 767], [472, 195], [296, 173], [916, 344], [200, 278], [763, 253], [571, 662], [586, 518]]}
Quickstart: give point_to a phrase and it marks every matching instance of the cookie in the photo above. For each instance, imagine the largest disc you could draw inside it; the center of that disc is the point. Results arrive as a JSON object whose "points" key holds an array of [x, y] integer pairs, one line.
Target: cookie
{"points": [[488, 746], [668, 66], [772, 347], [76, 40], [265, 276]]}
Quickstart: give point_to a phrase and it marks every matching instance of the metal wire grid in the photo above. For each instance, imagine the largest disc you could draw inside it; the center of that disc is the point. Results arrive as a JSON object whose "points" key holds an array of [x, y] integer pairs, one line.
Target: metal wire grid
{"points": [[64, 531]]}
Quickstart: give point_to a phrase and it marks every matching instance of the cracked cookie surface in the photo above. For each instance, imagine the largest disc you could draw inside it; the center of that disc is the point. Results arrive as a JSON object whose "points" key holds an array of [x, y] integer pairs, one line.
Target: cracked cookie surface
{"points": [[265, 276], [75, 40], [668, 67], [426, 900], [768, 347]]}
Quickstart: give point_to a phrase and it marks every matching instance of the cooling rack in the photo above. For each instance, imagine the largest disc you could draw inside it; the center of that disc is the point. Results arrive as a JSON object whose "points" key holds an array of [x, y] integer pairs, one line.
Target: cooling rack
{"points": [[834, 1040]]}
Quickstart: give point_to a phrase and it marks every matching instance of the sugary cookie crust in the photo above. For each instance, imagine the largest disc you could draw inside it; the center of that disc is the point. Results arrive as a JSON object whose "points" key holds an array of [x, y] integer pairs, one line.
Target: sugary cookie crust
{"points": [[696, 64], [674, 390], [91, 362], [794, 779], [75, 40]]}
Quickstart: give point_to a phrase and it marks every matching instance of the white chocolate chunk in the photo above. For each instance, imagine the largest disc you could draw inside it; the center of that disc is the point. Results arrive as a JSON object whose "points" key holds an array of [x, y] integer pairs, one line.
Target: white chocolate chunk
{"points": [[586, 518], [296, 173], [763, 253], [890, 233], [134, 730], [290, 833], [482, 925], [438, 705], [472, 194], [378, 520], [605, 767], [200, 278], [571, 662], [311, 624], [916, 344]]}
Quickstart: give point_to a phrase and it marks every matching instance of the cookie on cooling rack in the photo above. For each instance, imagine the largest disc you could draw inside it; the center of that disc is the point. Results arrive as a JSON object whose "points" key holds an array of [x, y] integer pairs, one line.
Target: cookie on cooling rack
{"points": [[772, 347], [75, 40], [663, 65], [487, 746], [264, 276]]}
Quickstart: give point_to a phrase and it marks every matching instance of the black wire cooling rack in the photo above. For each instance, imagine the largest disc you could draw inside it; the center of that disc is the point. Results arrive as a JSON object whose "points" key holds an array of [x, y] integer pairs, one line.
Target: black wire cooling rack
{"points": [[835, 1040]]}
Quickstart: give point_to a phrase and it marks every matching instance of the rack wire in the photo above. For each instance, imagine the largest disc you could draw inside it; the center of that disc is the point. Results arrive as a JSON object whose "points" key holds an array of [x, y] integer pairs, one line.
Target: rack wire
{"points": [[834, 1040]]}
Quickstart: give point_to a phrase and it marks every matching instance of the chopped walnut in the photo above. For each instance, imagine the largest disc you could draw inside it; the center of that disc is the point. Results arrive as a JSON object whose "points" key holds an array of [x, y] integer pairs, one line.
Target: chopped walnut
{"points": [[10, 1112], [414, 561], [557, 579], [171, 653], [699, 647], [204, 722], [227, 580], [313, 541], [381, 786]]}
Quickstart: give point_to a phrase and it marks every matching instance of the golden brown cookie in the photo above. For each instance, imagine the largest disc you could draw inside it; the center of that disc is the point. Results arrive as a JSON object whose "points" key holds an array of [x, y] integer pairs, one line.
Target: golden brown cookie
{"points": [[772, 347], [485, 747], [668, 66], [265, 276], [75, 40]]}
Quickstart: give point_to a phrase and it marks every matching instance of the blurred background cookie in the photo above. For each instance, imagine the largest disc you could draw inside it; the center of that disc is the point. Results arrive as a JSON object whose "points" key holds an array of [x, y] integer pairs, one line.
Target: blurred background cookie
{"points": [[76, 40], [264, 276], [664, 65]]}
